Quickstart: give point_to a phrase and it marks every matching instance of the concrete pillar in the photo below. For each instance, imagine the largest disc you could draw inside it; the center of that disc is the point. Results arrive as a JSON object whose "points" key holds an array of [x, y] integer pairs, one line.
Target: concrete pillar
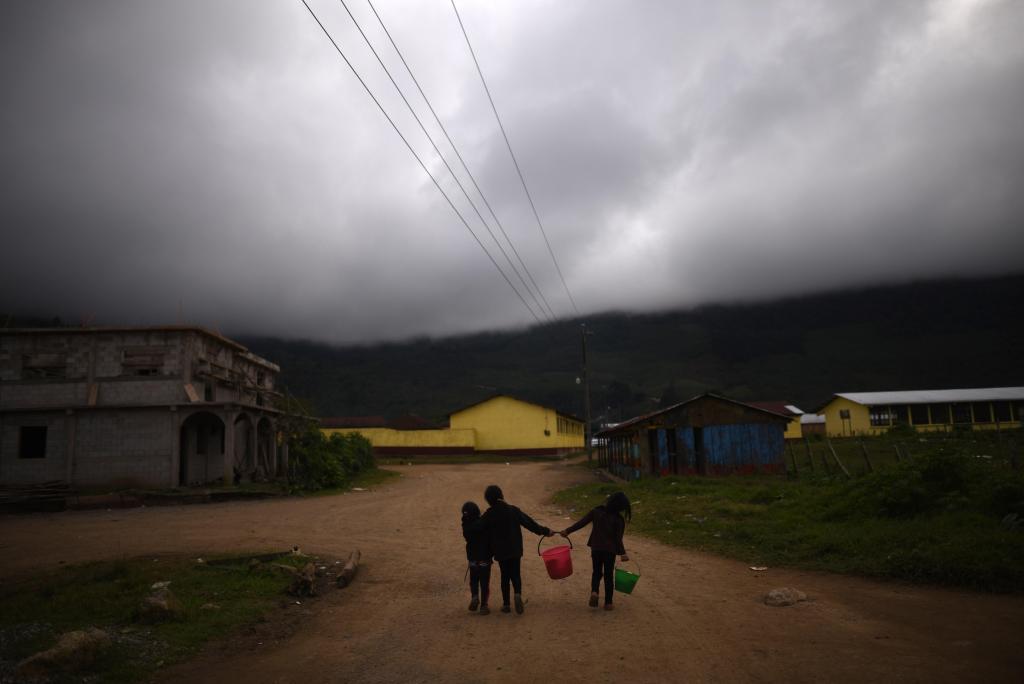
{"points": [[284, 458], [175, 442], [252, 453], [272, 452], [70, 427], [229, 448]]}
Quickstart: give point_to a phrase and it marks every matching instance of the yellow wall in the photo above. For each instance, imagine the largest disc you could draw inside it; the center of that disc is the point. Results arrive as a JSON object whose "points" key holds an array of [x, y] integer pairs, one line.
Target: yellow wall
{"points": [[506, 423], [433, 439], [793, 430], [858, 424]]}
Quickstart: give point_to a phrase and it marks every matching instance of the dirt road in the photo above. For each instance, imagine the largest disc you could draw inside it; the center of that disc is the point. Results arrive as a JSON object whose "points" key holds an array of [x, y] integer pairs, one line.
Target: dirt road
{"points": [[693, 617]]}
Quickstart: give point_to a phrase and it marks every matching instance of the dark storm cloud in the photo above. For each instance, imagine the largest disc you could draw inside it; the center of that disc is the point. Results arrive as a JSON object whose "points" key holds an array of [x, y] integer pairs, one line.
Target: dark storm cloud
{"points": [[218, 159]]}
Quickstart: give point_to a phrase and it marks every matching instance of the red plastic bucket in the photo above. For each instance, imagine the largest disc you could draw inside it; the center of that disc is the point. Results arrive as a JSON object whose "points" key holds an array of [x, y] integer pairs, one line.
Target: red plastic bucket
{"points": [[557, 560]]}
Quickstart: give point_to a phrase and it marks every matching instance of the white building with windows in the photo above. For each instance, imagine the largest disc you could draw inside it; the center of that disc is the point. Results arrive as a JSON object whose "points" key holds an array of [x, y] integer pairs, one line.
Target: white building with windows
{"points": [[873, 413]]}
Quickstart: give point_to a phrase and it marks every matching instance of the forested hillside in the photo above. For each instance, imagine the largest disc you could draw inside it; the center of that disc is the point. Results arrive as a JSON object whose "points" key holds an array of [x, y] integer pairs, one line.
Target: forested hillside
{"points": [[927, 335]]}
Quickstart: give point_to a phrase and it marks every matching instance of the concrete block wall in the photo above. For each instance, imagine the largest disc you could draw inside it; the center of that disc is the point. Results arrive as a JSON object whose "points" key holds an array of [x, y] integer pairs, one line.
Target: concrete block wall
{"points": [[42, 394], [125, 448], [154, 390], [14, 470]]}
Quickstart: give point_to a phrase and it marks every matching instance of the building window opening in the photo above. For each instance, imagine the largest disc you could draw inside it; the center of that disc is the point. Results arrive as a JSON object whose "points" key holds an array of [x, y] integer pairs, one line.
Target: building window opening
{"points": [[44, 366], [961, 414], [919, 414], [32, 442], [939, 413], [1001, 409], [900, 415], [982, 412], [880, 416], [208, 392], [143, 362]]}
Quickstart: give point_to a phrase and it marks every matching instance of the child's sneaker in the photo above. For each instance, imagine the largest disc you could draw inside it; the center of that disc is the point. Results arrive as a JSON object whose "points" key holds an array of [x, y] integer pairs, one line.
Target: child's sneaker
{"points": [[484, 610], [519, 604], [506, 609], [609, 606], [474, 603], [593, 601]]}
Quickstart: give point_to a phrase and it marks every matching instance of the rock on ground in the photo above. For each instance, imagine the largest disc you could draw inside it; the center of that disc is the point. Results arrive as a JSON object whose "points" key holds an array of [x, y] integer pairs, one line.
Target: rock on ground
{"points": [[784, 596], [74, 651], [160, 606]]}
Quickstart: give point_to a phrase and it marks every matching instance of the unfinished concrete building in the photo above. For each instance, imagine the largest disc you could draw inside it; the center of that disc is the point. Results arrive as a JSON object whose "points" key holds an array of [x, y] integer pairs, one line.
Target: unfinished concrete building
{"points": [[148, 407]]}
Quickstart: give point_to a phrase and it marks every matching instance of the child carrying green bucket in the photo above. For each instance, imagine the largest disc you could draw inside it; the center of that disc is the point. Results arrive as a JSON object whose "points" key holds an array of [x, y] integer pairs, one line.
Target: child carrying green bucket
{"points": [[609, 524]]}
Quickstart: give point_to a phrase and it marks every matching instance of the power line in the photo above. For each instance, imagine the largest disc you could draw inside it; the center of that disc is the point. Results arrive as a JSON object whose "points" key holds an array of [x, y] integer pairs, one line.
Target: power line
{"points": [[462, 161], [417, 157], [514, 161], [423, 128]]}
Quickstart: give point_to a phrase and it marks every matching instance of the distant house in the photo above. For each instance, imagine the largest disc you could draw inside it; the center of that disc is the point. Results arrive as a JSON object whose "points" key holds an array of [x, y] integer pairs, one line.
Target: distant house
{"points": [[135, 406], [812, 424], [783, 408], [706, 435], [874, 413], [500, 424]]}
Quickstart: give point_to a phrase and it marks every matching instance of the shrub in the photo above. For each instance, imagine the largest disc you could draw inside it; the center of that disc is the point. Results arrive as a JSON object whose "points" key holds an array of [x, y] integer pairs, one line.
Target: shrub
{"points": [[319, 462]]}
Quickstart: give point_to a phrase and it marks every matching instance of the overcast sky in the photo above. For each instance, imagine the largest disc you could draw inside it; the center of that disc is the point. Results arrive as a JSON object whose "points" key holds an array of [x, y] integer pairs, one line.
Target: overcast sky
{"points": [[216, 162]]}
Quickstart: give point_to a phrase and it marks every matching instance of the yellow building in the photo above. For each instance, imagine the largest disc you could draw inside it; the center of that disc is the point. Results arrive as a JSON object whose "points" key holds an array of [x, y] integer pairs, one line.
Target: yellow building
{"points": [[497, 425], [408, 435], [507, 425], [874, 413]]}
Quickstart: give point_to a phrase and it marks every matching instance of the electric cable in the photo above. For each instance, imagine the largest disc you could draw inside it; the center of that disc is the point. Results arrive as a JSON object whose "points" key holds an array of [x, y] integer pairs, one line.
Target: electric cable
{"points": [[423, 128], [465, 166], [417, 157], [514, 161]]}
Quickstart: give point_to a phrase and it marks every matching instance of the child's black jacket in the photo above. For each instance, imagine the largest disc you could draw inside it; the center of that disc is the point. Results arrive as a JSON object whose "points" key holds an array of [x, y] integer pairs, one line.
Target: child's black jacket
{"points": [[478, 542], [502, 522], [606, 534]]}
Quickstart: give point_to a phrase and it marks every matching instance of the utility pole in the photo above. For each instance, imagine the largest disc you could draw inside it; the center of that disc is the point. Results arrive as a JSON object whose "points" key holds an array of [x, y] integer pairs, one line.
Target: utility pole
{"points": [[586, 393]]}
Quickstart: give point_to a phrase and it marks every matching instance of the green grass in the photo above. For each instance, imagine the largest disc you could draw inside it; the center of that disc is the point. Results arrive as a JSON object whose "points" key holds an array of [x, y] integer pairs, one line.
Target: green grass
{"points": [[34, 612], [366, 479], [945, 518]]}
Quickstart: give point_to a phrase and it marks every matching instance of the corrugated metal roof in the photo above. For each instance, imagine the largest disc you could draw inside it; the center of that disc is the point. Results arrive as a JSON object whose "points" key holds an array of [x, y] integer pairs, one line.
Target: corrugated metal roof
{"points": [[777, 406], [812, 419], [935, 396], [624, 426]]}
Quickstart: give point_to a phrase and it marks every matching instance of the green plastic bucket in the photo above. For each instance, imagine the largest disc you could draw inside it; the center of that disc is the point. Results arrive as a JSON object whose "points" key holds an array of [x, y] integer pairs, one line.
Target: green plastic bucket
{"points": [[625, 581]]}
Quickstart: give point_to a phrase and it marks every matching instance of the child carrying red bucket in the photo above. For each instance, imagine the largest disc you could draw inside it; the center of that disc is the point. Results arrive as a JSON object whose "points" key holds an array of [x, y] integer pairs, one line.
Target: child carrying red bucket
{"points": [[609, 524]]}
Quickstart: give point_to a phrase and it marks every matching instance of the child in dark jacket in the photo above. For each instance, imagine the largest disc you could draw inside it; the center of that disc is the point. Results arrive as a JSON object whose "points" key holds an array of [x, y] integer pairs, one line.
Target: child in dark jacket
{"points": [[503, 521], [478, 553], [605, 541]]}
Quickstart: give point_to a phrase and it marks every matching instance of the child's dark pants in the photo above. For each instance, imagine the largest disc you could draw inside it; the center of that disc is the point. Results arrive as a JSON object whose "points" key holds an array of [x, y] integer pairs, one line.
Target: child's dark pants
{"points": [[480, 580], [510, 574], [604, 564]]}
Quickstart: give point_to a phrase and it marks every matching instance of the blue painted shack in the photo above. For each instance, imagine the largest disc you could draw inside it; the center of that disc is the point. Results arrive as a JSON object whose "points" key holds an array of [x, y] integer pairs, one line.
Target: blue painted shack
{"points": [[706, 435]]}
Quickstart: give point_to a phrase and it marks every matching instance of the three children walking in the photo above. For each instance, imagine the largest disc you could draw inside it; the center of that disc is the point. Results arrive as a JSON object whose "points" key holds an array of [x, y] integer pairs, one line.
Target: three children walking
{"points": [[498, 534]]}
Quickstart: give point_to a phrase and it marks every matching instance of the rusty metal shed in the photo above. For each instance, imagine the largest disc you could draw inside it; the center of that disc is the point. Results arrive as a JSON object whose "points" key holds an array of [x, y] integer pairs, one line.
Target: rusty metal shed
{"points": [[705, 435]]}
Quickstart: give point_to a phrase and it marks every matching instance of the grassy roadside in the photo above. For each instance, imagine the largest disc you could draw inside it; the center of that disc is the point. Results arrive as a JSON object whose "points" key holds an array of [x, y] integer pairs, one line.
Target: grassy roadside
{"points": [[946, 519], [366, 479], [216, 600]]}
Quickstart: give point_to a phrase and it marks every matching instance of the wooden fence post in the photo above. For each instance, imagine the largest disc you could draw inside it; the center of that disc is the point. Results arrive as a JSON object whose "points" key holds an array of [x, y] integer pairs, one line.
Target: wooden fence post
{"points": [[899, 456], [810, 457], [836, 457], [792, 455], [864, 450]]}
